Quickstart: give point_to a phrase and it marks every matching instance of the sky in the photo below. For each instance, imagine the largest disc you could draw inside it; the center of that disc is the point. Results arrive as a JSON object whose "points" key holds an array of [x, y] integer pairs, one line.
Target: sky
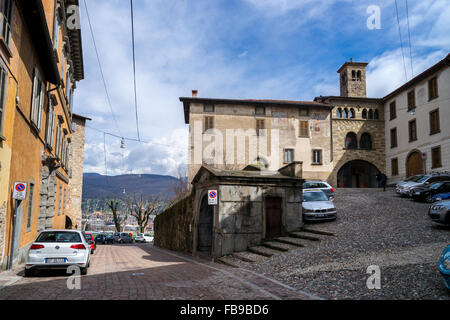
{"points": [[248, 49]]}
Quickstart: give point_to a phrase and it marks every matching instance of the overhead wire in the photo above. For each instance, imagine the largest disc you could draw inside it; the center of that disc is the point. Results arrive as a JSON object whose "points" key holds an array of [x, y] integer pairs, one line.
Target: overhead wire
{"points": [[134, 70], [409, 38], [401, 41]]}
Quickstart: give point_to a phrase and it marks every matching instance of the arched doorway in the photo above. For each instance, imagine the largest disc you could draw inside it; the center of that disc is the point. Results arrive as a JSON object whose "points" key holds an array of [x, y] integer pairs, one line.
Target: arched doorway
{"points": [[68, 223], [357, 174], [414, 164], [205, 227]]}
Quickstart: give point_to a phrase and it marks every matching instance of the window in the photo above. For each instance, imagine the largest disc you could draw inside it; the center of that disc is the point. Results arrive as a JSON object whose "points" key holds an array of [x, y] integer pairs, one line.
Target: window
{"points": [[412, 130], [68, 85], [411, 100], [56, 27], [434, 122], [436, 161], [366, 141], [432, 89], [303, 112], [358, 75], [339, 113], [60, 200], [304, 129], [6, 21], [260, 111], [37, 101], [317, 156], [288, 155], [352, 113], [353, 75], [209, 123], [345, 113], [370, 114], [63, 61], [58, 141], [364, 114], [3, 80], [394, 167], [392, 110], [30, 205], [260, 127], [208, 108], [393, 137], [351, 141], [50, 124], [376, 115]]}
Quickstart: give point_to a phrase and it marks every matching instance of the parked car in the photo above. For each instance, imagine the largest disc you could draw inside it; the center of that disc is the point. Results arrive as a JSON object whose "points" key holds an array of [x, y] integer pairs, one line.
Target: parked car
{"points": [[440, 212], [123, 237], [58, 249], [444, 266], [320, 185], [91, 241], [317, 206], [426, 193], [104, 238], [440, 197], [403, 188], [141, 237]]}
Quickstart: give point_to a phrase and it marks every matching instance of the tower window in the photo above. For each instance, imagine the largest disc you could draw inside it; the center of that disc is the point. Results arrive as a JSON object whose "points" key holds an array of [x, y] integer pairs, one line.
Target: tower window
{"points": [[358, 75], [376, 115], [339, 113], [346, 113], [352, 113], [353, 75], [366, 141], [351, 141], [370, 114], [364, 114]]}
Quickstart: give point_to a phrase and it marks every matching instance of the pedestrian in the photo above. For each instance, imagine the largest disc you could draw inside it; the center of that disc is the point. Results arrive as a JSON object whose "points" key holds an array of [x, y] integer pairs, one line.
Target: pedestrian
{"points": [[383, 181], [378, 178]]}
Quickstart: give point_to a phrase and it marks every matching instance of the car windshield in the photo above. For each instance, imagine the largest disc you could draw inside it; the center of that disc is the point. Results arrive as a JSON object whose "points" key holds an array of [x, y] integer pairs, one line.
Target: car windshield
{"points": [[59, 236], [415, 178], [148, 235], [423, 179], [436, 185], [314, 196], [309, 185], [139, 235]]}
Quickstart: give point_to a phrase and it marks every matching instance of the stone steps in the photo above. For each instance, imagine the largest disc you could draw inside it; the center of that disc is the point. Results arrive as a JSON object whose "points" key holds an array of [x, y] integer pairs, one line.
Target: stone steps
{"points": [[275, 246], [302, 235], [228, 261], [264, 251], [319, 232], [291, 241], [250, 257]]}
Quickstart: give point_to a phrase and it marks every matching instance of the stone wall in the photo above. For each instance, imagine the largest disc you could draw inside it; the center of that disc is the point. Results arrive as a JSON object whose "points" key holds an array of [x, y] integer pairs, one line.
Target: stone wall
{"points": [[173, 227], [47, 199]]}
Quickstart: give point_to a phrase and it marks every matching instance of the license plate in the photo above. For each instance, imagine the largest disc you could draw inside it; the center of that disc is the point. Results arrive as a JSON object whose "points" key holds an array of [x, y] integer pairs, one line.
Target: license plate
{"points": [[55, 260]]}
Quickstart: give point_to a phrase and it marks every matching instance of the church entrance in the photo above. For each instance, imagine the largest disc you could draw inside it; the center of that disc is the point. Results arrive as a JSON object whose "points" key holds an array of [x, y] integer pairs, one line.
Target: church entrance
{"points": [[357, 174], [414, 164]]}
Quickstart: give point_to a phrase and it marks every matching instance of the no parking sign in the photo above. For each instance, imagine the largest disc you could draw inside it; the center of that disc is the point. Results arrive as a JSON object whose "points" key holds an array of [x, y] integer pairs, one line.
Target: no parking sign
{"points": [[20, 191], [212, 197]]}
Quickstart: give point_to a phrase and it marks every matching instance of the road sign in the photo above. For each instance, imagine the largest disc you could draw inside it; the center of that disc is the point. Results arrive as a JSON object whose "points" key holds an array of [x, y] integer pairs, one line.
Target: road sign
{"points": [[212, 197], [20, 191]]}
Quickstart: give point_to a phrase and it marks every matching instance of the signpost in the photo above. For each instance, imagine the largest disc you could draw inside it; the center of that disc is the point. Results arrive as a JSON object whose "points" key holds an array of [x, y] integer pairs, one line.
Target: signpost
{"points": [[20, 191], [19, 194], [212, 197]]}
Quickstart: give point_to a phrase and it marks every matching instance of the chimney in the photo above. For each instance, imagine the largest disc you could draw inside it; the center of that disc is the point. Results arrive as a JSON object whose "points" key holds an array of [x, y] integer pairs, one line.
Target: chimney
{"points": [[194, 93]]}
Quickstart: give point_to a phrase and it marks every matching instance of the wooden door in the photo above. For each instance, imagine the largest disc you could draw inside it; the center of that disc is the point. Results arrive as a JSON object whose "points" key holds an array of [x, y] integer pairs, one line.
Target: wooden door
{"points": [[414, 164], [273, 217]]}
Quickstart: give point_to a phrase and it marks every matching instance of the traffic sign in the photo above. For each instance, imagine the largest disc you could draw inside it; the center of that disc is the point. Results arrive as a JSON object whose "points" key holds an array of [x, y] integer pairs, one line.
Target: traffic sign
{"points": [[20, 191], [212, 197]]}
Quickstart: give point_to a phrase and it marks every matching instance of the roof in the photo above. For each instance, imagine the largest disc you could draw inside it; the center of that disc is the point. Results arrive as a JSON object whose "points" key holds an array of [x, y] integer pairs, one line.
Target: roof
{"points": [[351, 63], [76, 49], [75, 115], [430, 71], [244, 174], [353, 99], [262, 102]]}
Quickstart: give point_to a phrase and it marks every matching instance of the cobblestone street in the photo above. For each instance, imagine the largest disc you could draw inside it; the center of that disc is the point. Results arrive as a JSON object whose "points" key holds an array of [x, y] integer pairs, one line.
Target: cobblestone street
{"points": [[141, 271]]}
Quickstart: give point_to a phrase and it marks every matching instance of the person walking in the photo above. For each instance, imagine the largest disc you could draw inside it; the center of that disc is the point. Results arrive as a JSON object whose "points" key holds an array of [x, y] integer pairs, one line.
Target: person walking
{"points": [[383, 181]]}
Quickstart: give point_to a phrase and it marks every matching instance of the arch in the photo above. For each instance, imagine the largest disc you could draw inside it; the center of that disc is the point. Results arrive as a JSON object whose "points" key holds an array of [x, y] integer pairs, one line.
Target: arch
{"points": [[370, 114], [364, 114], [69, 224], [358, 75], [376, 114], [339, 113], [357, 174], [351, 113], [205, 226], [345, 114], [366, 141], [353, 75], [351, 141], [414, 163]]}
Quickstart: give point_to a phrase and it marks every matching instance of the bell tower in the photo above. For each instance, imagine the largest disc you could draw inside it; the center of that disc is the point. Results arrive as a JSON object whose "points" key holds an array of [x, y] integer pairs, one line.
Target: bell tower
{"points": [[352, 77]]}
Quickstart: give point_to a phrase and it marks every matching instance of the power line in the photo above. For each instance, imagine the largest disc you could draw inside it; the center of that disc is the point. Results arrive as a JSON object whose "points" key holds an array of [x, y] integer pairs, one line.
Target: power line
{"points": [[134, 70], [100, 66], [409, 37], [401, 41]]}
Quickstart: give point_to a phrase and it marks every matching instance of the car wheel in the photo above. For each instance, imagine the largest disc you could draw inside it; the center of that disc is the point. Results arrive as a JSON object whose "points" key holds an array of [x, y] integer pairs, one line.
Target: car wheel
{"points": [[429, 199], [83, 271], [29, 273]]}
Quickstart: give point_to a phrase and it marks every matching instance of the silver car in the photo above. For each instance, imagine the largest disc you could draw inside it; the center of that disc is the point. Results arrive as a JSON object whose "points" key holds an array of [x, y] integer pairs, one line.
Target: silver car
{"points": [[320, 185], [404, 187], [440, 212], [316, 206], [58, 249]]}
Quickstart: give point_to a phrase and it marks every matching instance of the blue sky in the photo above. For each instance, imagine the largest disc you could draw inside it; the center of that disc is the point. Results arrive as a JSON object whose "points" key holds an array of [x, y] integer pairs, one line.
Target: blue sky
{"points": [[276, 49]]}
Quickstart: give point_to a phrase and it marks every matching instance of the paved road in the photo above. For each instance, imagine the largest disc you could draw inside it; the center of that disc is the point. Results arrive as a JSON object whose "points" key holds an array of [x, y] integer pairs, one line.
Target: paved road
{"points": [[142, 271]]}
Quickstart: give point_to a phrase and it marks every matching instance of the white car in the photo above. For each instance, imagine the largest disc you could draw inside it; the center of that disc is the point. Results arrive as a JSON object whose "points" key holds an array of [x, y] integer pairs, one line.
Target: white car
{"points": [[58, 249], [141, 237], [317, 206]]}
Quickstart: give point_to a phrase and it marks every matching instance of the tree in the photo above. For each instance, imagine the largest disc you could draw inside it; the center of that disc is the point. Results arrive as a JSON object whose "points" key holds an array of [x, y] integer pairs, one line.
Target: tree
{"points": [[114, 205], [179, 187], [142, 208]]}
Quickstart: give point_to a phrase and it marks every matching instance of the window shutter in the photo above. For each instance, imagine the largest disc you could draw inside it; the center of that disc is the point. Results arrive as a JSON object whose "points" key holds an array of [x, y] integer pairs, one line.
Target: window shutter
{"points": [[33, 101], [304, 130]]}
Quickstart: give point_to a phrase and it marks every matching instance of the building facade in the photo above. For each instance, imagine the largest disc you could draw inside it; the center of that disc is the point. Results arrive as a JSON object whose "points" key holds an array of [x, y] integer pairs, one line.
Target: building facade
{"points": [[417, 138], [41, 57]]}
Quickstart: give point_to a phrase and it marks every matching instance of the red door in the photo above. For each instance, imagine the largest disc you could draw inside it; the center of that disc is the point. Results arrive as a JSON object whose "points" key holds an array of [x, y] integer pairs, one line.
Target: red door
{"points": [[273, 217]]}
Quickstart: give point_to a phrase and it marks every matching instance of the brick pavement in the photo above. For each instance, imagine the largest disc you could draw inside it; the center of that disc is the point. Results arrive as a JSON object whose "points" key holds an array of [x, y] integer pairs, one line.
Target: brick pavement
{"points": [[142, 271]]}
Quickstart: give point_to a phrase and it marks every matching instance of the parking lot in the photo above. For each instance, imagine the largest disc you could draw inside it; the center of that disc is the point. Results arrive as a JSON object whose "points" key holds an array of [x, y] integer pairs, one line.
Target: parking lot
{"points": [[373, 228]]}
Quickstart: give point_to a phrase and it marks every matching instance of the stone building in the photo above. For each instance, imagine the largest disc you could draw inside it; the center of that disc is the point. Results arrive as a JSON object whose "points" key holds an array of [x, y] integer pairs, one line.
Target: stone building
{"points": [[73, 217], [41, 61], [250, 207]]}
